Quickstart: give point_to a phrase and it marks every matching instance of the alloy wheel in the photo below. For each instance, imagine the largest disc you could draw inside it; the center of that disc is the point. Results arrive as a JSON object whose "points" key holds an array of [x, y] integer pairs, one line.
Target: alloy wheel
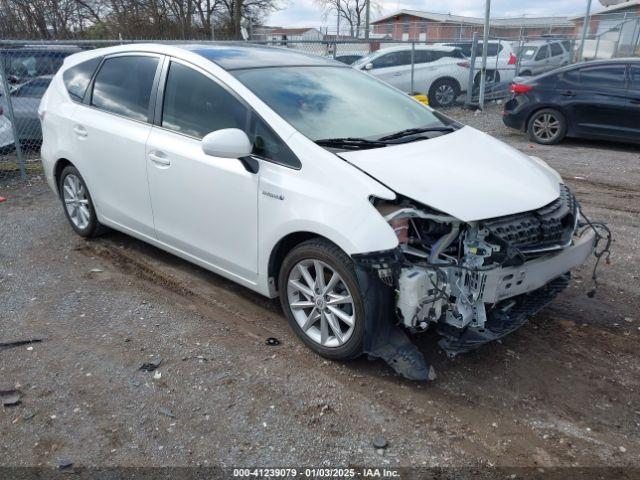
{"points": [[445, 94], [546, 127], [76, 201], [321, 303]]}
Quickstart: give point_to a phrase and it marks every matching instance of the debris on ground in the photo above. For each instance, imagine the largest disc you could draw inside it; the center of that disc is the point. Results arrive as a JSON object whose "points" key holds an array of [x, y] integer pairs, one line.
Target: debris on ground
{"points": [[19, 343], [166, 412], [150, 366], [272, 341], [10, 397], [380, 443], [64, 464]]}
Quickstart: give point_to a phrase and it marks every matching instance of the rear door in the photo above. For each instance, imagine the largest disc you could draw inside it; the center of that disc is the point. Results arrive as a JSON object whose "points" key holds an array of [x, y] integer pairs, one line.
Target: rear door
{"points": [[596, 100], [557, 58], [633, 101], [110, 129]]}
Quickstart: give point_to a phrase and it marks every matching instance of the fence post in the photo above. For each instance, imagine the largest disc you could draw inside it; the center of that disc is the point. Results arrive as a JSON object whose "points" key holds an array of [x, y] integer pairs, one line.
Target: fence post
{"points": [[519, 58], [14, 128], [413, 65], [472, 67]]}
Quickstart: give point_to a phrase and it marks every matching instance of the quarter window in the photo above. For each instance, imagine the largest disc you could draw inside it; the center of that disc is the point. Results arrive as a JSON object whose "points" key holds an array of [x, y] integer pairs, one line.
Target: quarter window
{"points": [[76, 79], [611, 76], [123, 86]]}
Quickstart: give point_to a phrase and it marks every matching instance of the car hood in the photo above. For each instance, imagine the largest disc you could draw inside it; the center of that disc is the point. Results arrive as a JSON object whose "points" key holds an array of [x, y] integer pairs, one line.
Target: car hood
{"points": [[466, 174]]}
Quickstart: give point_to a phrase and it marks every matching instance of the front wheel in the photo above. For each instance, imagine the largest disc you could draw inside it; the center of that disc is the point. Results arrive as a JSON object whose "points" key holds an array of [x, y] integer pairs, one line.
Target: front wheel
{"points": [[547, 127], [321, 298], [443, 93]]}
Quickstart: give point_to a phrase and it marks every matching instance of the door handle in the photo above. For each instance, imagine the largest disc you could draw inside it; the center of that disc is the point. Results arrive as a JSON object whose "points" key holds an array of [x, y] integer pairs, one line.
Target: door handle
{"points": [[80, 131], [159, 159], [635, 101], [568, 93]]}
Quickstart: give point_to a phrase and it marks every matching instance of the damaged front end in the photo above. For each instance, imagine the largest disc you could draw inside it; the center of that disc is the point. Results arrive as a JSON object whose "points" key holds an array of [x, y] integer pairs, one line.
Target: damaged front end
{"points": [[474, 282]]}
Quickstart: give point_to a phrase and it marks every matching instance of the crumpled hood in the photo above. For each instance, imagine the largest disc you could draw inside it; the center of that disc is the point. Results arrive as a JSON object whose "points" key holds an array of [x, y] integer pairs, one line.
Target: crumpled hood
{"points": [[467, 174]]}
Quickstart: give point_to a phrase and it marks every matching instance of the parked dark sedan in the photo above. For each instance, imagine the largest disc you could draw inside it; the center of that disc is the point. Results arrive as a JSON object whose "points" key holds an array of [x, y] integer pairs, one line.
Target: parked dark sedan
{"points": [[598, 99]]}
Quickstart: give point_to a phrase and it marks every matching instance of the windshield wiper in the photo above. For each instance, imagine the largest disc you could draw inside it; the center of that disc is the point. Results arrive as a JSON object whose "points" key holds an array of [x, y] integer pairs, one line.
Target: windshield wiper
{"points": [[350, 143], [415, 131]]}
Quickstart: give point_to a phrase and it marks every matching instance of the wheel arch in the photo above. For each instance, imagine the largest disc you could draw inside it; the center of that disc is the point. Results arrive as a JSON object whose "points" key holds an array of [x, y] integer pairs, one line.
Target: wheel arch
{"points": [[446, 77], [58, 167], [282, 248]]}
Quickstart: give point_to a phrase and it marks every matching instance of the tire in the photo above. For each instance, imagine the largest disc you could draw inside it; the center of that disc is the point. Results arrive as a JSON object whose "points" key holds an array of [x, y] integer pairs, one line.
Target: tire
{"points": [[304, 320], [443, 93], [77, 203], [547, 127]]}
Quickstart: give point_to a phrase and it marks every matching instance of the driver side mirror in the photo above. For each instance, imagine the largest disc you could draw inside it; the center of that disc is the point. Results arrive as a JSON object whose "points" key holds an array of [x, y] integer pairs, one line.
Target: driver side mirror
{"points": [[227, 143], [368, 66], [231, 143]]}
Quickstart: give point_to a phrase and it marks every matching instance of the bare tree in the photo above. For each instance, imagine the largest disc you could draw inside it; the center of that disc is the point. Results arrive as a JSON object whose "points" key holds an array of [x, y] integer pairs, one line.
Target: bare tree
{"points": [[352, 11]]}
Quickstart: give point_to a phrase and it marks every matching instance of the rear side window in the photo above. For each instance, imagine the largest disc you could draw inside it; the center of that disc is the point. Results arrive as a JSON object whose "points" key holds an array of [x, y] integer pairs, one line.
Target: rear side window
{"points": [[610, 76], [123, 86], [76, 79], [196, 105], [556, 50], [422, 56], [635, 78]]}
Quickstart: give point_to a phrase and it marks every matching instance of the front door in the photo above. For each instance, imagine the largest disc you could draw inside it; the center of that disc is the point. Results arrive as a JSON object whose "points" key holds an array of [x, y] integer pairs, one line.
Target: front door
{"points": [[203, 206], [110, 133]]}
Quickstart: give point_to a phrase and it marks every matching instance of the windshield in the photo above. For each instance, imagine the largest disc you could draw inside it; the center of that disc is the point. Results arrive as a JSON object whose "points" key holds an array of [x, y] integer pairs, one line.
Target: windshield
{"points": [[337, 102], [529, 52]]}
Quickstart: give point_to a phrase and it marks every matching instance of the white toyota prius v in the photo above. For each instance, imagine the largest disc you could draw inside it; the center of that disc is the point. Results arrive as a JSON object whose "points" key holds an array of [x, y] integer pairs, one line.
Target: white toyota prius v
{"points": [[369, 215]]}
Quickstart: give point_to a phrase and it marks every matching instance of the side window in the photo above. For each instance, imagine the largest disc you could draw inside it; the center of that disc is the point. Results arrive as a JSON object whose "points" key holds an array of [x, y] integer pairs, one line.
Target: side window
{"points": [[611, 76], [423, 56], [635, 78], [123, 86], [569, 79], [394, 59], [556, 50], [196, 105], [76, 79], [267, 144], [543, 53]]}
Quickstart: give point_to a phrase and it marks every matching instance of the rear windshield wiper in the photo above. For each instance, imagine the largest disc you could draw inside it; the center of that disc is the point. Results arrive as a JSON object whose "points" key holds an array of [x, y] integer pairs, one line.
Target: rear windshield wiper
{"points": [[416, 131], [350, 143]]}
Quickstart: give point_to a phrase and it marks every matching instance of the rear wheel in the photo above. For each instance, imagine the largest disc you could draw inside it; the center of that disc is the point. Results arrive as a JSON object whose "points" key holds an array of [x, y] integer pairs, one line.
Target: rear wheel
{"points": [[321, 298], [443, 93], [78, 206], [547, 127]]}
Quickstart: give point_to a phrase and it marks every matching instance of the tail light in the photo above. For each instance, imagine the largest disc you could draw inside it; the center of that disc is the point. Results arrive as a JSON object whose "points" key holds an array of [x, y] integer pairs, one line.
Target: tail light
{"points": [[464, 64], [519, 88], [512, 59], [401, 229]]}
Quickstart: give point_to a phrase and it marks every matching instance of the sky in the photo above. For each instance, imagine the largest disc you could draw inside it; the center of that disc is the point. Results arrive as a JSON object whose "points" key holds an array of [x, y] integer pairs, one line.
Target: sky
{"points": [[302, 13]]}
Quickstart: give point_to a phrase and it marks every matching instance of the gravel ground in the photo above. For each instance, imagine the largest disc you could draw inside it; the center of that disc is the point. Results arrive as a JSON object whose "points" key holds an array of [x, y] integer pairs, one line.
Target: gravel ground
{"points": [[562, 391]]}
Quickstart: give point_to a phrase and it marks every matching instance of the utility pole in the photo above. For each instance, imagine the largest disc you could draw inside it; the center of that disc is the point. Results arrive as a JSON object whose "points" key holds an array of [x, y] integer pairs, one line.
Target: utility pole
{"points": [[338, 19], [367, 19], [485, 45], [585, 29]]}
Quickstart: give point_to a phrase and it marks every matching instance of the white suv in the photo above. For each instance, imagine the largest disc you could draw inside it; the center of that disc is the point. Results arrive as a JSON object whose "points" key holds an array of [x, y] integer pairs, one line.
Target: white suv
{"points": [[439, 72], [276, 170]]}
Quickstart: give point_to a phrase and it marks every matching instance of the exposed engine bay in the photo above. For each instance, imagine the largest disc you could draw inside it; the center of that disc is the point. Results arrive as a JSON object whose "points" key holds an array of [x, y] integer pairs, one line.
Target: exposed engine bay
{"points": [[478, 281]]}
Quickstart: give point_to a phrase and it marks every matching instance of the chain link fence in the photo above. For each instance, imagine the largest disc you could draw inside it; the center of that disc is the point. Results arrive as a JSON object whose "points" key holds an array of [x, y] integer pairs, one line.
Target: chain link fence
{"points": [[27, 67]]}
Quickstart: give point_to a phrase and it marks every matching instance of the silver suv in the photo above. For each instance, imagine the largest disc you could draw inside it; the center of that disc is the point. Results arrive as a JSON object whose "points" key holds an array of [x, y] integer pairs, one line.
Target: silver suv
{"points": [[541, 56]]}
